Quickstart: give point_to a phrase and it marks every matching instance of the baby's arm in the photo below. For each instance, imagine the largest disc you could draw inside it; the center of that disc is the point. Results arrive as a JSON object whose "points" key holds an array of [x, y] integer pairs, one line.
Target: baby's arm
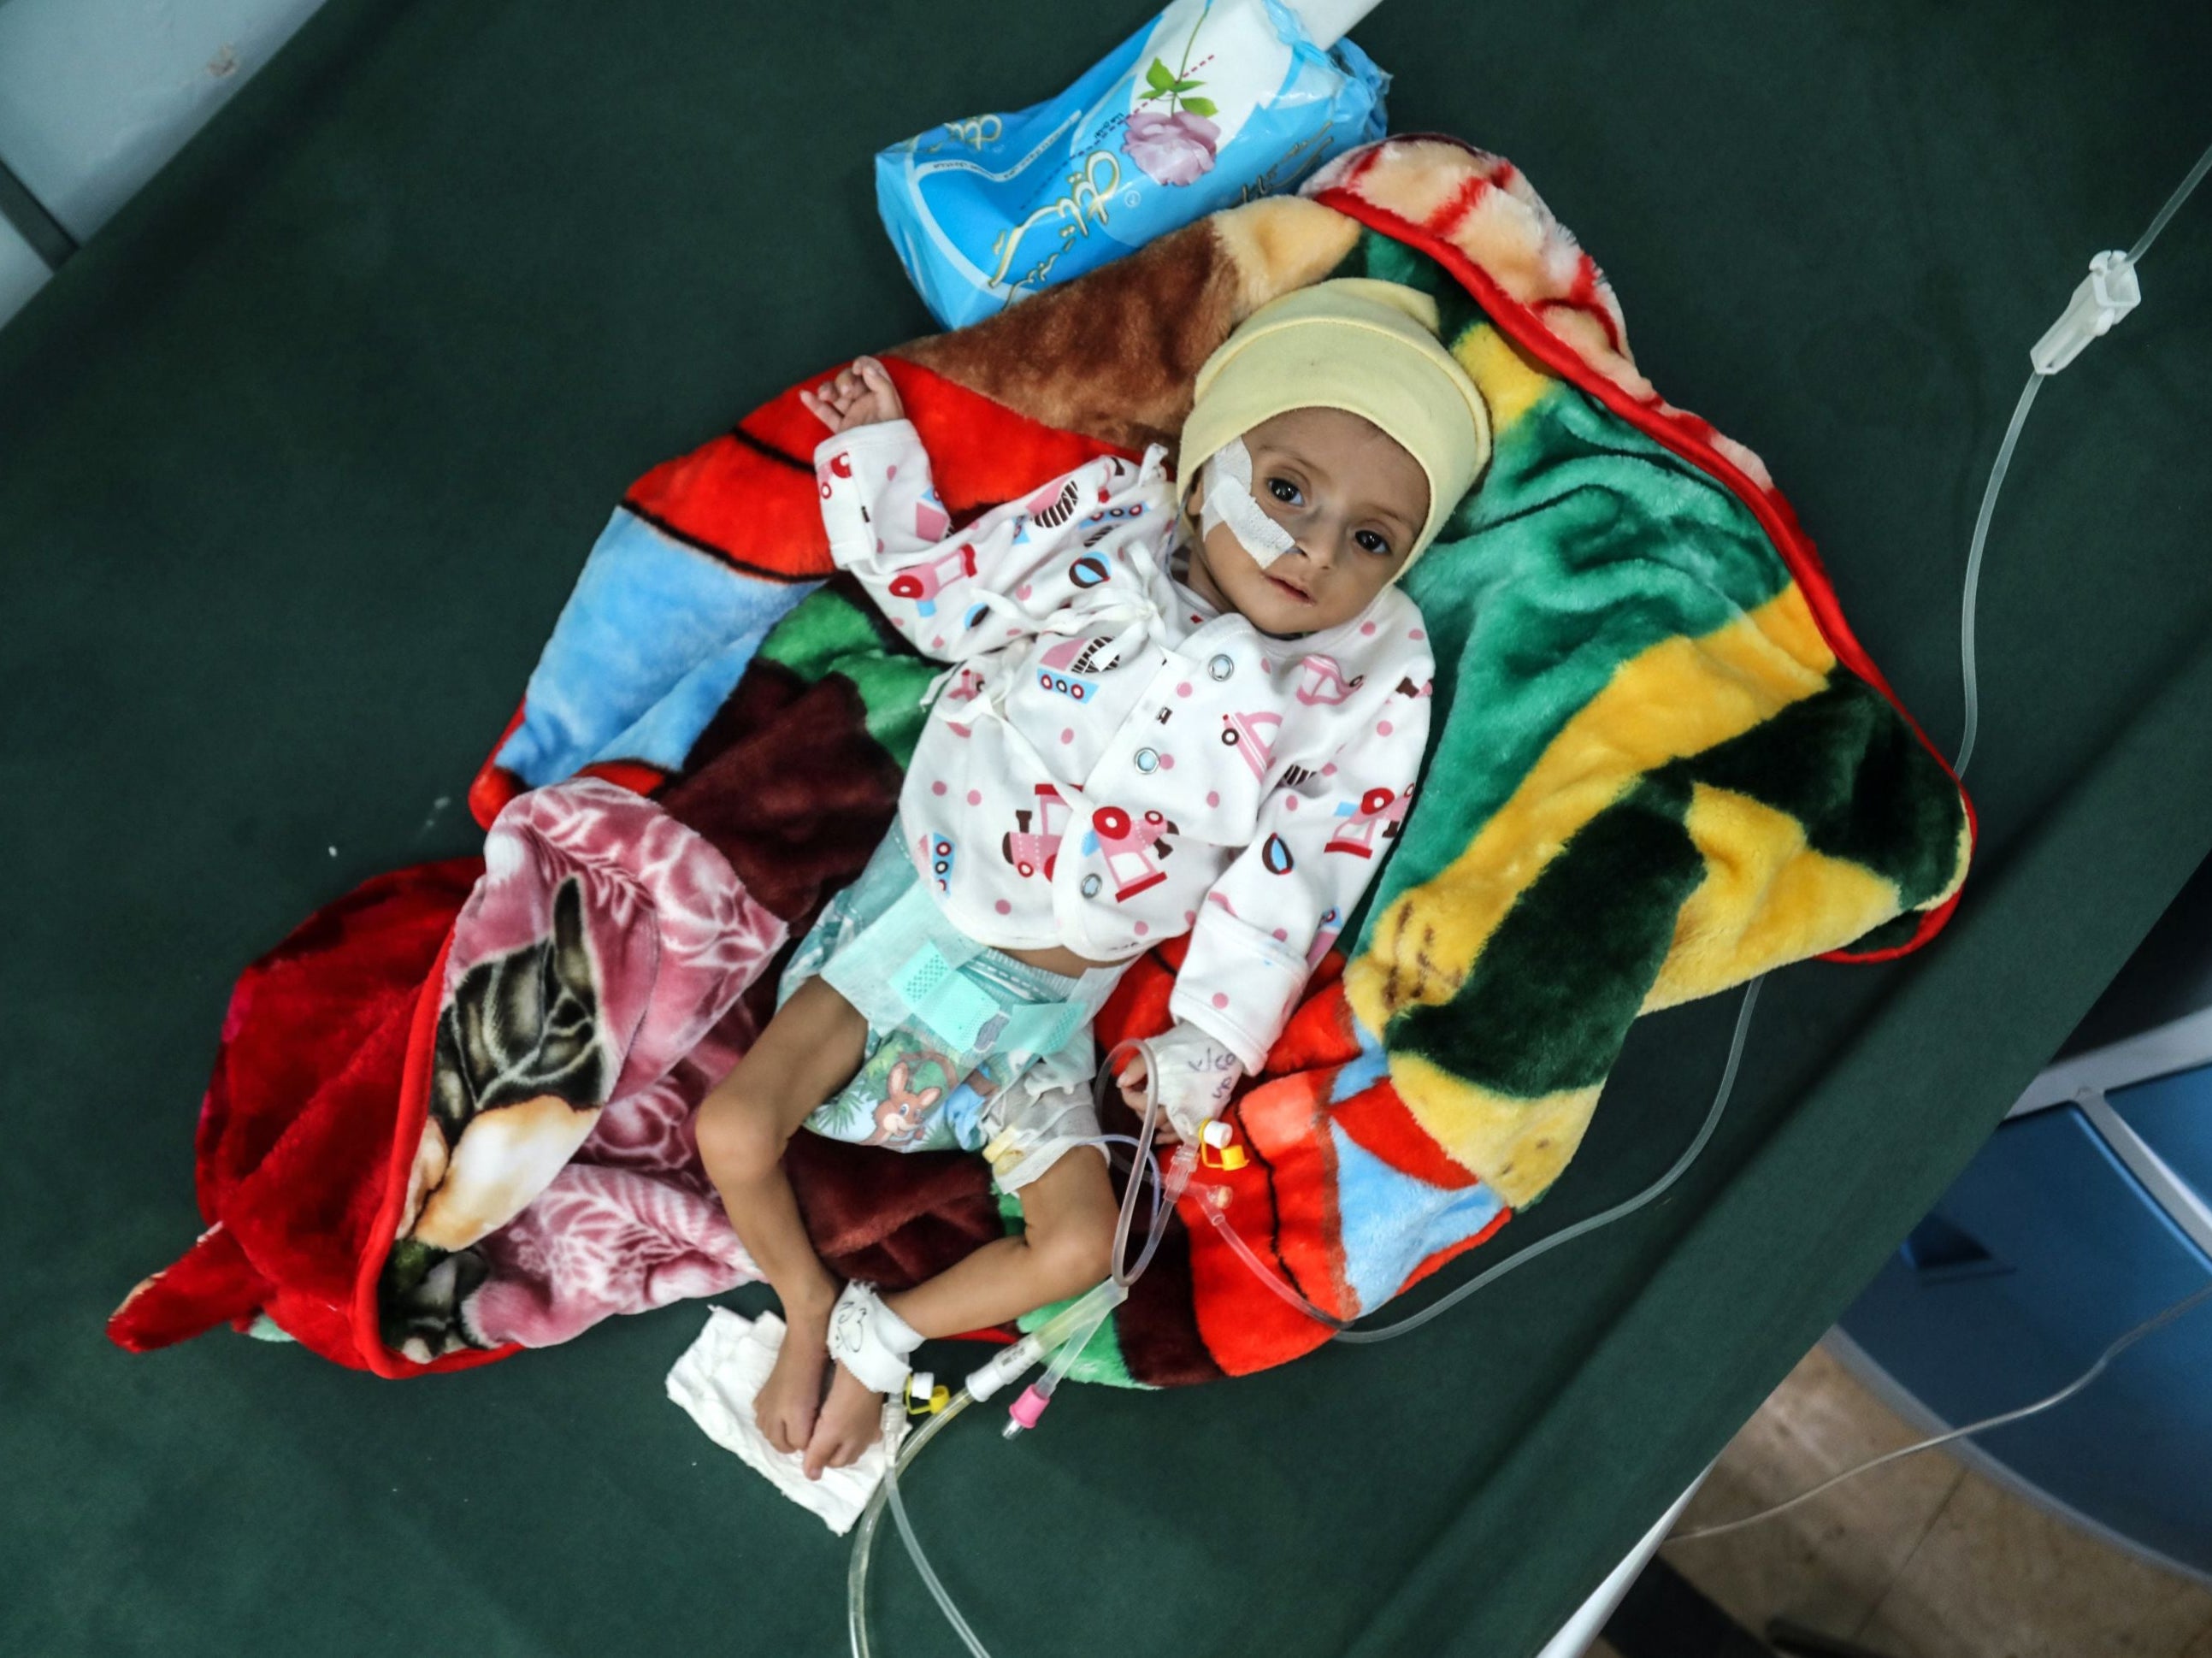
{"points": [[1281, 903], [954, 595], [1065, 1246]]}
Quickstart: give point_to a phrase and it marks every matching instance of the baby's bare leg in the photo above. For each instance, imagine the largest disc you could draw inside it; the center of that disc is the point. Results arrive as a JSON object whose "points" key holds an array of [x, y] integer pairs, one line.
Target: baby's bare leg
{"points": [[1067, 1247], [810, 1049]]}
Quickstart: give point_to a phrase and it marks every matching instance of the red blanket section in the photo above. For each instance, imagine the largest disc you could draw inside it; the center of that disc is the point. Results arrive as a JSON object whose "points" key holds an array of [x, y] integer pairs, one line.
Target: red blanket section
{"points": [[287, 1126], [324, 1054], [748, 500]]}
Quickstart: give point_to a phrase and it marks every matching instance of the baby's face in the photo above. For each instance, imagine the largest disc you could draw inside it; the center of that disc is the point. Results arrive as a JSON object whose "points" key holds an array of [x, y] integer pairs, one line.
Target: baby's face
{"points": [[1346, 493]]}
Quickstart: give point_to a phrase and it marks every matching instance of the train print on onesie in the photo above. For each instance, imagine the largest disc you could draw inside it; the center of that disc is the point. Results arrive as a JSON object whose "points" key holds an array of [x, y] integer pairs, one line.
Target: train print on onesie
{"points": [[922, 583], [1133, 845], [1321, 682], [1032, 845], [1061, 669], [1376, 816], [1253, 736]]}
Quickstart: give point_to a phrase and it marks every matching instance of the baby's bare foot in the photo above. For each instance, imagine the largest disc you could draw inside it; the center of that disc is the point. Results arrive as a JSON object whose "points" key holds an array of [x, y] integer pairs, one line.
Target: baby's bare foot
{"points": [[785, 1407], [851, 1418]]}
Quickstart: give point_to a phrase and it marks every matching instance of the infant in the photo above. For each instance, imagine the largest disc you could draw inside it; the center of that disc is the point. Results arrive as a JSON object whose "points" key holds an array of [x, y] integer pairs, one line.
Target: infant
{"points": [[1191, 708]]}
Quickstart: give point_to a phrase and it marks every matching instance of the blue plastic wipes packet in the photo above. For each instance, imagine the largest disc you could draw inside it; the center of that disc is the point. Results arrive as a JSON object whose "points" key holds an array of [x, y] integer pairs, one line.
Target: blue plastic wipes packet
{"points": [[1213, 103]]}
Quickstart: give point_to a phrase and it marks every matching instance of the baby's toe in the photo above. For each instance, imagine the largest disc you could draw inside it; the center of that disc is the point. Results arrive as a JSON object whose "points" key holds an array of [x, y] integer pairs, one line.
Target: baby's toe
{"points": [[827, 1450], [857, 1439]]}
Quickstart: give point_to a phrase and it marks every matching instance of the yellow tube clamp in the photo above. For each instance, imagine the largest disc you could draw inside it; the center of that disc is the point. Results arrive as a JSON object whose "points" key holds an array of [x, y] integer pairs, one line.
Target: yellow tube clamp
{"points": [[1218, 1147], [925, 1394]]}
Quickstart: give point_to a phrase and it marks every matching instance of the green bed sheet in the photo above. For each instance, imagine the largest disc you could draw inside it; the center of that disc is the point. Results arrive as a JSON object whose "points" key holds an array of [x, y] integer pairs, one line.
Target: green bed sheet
{"points": [[300, 458]]}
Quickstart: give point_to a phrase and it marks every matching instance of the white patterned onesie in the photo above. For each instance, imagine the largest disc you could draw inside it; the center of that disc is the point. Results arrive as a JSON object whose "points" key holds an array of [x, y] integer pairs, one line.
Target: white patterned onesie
{"points": [[1111, 763]]}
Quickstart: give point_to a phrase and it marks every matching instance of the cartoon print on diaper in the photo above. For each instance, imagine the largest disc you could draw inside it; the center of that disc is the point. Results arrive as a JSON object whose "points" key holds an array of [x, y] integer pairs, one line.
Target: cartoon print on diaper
{"points": [[922, 582], [1378, 810], [1322, 681], [892, 1101], [1133, 847], [1408, 687], [1060, 670], [903, 1112], [937, 857], [1252, 736], [1031, 850]]}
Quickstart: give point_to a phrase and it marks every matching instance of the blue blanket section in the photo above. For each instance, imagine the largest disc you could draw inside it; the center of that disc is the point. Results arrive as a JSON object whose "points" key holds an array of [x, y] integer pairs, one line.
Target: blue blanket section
{"points": [[1357, 1075], [1390, 1223], [648, 646]]}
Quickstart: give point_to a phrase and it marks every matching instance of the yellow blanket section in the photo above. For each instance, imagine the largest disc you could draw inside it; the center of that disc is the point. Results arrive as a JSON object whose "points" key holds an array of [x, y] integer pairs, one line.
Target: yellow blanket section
{"points": [[1765, 898]]}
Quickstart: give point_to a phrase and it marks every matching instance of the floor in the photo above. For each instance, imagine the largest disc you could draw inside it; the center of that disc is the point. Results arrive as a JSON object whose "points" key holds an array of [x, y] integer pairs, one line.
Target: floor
{"points": [[1925, 1559]]}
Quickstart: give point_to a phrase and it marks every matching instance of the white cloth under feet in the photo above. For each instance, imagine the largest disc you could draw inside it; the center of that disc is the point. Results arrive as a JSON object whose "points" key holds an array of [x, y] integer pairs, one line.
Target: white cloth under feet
{"points": [[718, 1379]]}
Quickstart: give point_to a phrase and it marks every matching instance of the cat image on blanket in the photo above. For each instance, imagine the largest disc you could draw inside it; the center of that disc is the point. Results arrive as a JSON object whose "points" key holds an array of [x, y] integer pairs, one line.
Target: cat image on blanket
{"points": [[518, 1061], [1189, 707]]}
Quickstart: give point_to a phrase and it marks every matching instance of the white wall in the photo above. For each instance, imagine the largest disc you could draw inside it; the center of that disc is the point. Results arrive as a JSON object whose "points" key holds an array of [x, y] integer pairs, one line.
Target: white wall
{"points": [[95, 95], [23, 272]]}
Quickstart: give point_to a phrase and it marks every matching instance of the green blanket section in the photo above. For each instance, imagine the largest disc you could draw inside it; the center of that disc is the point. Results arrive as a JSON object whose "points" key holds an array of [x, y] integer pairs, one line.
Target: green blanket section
{"points": [[1586, 543], [828, 632], [300, 458]]}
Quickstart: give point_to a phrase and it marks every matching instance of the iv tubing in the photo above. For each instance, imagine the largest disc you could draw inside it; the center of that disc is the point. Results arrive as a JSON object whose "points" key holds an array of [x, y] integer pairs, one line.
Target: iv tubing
{"points": [[2156, 1321], [1186, 1158], [856, 1574], [1968, 675], [1344, 1329], [1062, 1337], [1179, 1172], [1972, 722], [1971, 725], [2172, 205]]}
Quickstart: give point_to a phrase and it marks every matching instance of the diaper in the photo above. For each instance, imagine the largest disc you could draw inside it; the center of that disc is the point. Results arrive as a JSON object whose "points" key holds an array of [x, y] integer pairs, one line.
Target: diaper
{"points": [[967, 1048]]}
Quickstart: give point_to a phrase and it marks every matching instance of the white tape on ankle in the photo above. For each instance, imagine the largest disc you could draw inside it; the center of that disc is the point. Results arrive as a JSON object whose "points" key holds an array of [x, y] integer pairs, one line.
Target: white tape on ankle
{"points": [[1229, 500], [872, 1341]]}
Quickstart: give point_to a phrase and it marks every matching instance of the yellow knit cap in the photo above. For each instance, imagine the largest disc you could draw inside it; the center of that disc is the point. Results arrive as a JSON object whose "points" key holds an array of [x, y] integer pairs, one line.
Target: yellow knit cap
{"points": [[1356, 343]]}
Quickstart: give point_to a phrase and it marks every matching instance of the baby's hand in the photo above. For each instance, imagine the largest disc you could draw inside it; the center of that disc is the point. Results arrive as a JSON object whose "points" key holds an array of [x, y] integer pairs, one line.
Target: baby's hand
{"points": [[1131, 1077], [1197, 1076], [862, 395]]}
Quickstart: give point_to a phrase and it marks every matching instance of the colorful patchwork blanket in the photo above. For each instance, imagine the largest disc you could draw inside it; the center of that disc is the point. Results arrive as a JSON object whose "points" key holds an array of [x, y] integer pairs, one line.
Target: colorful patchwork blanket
{"points": [[450, 1118]]}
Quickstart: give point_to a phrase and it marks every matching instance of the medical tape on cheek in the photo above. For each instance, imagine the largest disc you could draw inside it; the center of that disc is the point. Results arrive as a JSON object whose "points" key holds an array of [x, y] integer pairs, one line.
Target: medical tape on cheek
{"points": [[1229, 500]]}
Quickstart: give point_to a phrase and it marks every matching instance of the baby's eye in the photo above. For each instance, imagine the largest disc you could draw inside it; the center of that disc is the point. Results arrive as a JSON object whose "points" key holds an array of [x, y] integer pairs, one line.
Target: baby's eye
{"points": [[1373, 542], [1284, 490]]}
